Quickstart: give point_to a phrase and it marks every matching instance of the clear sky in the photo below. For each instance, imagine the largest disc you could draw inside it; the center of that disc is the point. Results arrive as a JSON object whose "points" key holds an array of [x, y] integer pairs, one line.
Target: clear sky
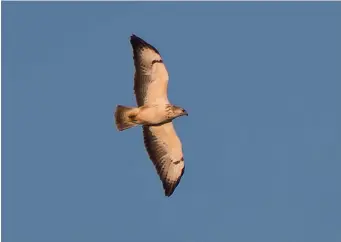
{"points": [[261, 83]]}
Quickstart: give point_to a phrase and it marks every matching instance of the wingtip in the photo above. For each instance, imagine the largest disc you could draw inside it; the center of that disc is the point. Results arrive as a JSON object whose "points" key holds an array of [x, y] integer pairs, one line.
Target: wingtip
{"points": [[138, 42], [169, 193], [169, 188], [135, 40]]}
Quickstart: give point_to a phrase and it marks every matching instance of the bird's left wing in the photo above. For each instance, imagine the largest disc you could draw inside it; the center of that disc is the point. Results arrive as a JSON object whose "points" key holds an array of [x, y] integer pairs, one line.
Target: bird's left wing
{"points": [[165, 150]]}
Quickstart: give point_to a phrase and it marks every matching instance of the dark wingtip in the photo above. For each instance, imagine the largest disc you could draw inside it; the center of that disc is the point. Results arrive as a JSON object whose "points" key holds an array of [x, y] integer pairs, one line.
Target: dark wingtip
{"points": [[134, 40], [169, 190], [170, 187], [137, 42], [133, 36]]}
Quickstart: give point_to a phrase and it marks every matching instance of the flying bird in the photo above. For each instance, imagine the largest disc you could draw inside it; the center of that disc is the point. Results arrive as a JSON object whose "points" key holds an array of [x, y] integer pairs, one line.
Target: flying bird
{"points": [[154, 113]]}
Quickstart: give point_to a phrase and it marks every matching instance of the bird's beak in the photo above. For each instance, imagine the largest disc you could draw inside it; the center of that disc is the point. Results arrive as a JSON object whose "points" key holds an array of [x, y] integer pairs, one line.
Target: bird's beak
{"points": [[185, 113]]}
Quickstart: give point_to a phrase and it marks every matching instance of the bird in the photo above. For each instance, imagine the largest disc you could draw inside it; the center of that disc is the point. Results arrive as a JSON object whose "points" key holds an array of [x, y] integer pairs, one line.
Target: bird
{"points": [[155, 114]]}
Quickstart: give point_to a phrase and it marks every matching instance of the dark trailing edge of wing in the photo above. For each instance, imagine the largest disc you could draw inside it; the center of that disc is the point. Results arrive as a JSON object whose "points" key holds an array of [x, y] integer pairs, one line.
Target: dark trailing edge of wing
{"points": [[137, 43]]}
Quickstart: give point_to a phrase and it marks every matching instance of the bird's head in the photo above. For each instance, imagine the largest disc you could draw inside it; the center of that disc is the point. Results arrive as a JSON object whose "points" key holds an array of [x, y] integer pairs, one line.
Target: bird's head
{"points": [[179, 111]]}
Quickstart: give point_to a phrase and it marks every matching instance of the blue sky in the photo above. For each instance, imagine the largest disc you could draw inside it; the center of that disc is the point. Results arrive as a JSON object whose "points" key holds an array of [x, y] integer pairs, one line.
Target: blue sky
{"points": [[261, 83]]}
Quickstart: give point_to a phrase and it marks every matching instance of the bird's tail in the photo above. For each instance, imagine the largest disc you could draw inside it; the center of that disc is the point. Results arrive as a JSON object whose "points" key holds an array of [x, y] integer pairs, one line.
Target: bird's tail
{"points": [[125, 117]]}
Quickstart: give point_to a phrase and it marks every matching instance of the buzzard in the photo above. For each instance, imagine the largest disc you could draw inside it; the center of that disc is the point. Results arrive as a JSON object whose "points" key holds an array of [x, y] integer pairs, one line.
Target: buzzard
{"points": [[154, 113]]}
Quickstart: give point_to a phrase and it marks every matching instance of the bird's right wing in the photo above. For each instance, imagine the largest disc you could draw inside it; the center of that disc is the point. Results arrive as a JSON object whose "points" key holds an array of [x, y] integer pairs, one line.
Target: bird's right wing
{"points": [[165, 150], [151, 76]]}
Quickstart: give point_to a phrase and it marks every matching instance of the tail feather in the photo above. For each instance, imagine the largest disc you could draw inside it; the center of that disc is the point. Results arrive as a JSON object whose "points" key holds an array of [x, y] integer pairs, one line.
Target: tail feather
{"points": [[124, 117]]}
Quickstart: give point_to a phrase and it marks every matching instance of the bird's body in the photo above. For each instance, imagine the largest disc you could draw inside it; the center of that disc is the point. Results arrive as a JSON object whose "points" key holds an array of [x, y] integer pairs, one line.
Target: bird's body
{"points": [[155, 114], [147, 115]]}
